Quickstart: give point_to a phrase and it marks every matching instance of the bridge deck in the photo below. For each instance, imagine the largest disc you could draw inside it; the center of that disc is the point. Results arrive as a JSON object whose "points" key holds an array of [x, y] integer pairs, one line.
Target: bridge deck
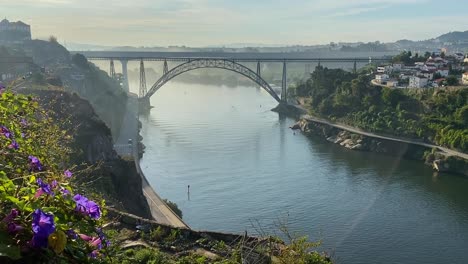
{"points": [[234, 56]]}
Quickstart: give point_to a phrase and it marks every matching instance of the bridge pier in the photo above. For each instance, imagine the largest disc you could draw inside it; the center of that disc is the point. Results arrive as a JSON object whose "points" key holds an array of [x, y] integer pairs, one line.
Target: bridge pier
{"points": [[142, 90], [259, 72], [165, 67], [125, 84], [112, 69], [284, 84]]}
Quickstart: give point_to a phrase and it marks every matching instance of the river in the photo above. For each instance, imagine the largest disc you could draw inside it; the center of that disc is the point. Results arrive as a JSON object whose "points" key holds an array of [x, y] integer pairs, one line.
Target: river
{"points": [[245, 168]]}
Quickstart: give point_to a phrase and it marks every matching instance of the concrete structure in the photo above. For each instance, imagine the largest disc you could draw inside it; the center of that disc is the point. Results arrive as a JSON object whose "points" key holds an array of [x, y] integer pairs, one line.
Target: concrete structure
{"points": [[417, 82], [14, 32], [465, 78], [392, 83]]}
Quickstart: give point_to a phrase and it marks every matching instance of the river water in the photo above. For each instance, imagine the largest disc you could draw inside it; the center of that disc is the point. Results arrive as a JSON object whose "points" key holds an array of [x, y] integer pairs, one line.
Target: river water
{"points": [[246, 169]]}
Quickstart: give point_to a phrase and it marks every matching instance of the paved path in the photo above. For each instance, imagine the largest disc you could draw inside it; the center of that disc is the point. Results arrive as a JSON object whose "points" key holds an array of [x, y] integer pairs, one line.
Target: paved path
{"points": [[447, 151], [159, 210]]}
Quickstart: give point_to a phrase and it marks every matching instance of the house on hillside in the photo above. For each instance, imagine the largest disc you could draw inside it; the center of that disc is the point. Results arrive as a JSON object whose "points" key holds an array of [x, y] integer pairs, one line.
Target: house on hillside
{"points": [[381, 78], [14, 32], [444, 72], [385, 69], [426, 74], [417, 82]]}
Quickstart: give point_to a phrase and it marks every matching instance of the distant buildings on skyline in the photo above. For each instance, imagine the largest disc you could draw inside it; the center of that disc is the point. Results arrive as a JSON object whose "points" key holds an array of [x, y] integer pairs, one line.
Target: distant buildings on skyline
{"points": [[14, 32]]}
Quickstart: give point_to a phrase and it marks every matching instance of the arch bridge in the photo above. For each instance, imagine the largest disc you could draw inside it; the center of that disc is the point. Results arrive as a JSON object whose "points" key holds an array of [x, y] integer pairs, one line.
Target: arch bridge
{"points": [[227, 61], [215, 64]]}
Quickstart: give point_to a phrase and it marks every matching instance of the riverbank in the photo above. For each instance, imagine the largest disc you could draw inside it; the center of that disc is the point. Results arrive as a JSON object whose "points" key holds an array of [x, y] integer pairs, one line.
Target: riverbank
{"points": [[129, 136], [439, 158]]}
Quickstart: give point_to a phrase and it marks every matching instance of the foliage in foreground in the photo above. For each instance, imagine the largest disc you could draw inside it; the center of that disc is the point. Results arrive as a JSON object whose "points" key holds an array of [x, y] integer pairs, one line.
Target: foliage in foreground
{"points": [[42, 217]]}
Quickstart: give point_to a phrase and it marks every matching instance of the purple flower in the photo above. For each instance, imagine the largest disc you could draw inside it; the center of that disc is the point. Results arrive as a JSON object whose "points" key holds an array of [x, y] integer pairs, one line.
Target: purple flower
{"points": [[94, 254], [23, 122], [85, 206], [72, 234], [14, 145], [81, 203], [34, 164], [14, 228], [11, 216], [4, 131], [94, 210], [42, 226], [54, 184], [43, 188], [68, 173], [23, 135], [102, 236], [64, 191]]}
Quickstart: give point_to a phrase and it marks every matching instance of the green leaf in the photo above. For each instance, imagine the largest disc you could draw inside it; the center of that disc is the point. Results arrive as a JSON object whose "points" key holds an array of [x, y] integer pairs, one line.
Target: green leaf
{"points": [[10, 251]]}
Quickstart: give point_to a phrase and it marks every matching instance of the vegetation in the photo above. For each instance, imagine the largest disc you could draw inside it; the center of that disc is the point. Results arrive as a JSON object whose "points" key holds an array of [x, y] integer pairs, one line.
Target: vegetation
{"points": [[407, 57], [434, 115], [43, 218], [174, 207]]}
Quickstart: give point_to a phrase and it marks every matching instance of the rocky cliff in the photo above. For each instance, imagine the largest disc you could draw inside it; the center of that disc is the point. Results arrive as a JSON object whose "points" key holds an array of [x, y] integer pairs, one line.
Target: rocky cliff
{"points": [[92, 145]]}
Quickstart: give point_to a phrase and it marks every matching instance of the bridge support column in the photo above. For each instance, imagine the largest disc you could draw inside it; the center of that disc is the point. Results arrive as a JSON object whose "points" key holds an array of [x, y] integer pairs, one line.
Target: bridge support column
{"points": [[259, 72], [142, 90], [355, 67], [112, 69], [284, 84], [165, 68], [126, 86]]}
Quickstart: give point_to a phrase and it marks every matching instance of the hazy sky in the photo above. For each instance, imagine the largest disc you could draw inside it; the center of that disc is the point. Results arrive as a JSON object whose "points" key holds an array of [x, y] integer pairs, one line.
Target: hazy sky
{"points": [[211, 22]]}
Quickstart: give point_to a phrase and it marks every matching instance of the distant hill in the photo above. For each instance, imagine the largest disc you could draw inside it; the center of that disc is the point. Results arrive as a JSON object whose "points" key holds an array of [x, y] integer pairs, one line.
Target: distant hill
{"points": [[455, 36]]}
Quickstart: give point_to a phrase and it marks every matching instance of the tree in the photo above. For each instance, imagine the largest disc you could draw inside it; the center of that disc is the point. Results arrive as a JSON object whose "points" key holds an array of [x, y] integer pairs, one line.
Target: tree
{"points": [[53, 39], [462, 115], [80, 61], [452, 80], [391, 96]]}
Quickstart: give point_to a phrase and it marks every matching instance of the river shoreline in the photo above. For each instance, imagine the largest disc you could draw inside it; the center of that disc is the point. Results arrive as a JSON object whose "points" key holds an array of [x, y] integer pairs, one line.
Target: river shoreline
{"points": [[439, 160]]}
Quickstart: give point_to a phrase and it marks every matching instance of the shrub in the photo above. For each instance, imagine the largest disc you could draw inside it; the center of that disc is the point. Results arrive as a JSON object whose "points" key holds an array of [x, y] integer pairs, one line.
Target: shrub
{"points": [[42, 215]]}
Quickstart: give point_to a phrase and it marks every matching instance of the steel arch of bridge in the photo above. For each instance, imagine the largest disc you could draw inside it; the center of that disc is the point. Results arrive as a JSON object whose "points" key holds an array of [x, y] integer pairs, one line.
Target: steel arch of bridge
{"points": [[212, 63]]}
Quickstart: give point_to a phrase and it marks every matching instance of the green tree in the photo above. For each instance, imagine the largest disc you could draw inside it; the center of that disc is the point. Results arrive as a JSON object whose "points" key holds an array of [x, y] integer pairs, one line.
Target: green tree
{"points": [[452, 80], [80, 61]]}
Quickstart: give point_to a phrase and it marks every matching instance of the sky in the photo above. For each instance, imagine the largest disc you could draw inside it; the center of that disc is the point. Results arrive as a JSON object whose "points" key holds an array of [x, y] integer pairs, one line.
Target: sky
{"points": [[199, 23]]}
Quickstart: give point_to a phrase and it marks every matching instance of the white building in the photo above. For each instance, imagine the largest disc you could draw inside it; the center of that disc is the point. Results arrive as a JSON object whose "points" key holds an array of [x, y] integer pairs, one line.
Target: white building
{"points": [[417, 82], [397, 66], [465, 78], [381, 78], [459, 56], [385, 69], [426, 74], [444, 72], [14, 32], [419, 65]]}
